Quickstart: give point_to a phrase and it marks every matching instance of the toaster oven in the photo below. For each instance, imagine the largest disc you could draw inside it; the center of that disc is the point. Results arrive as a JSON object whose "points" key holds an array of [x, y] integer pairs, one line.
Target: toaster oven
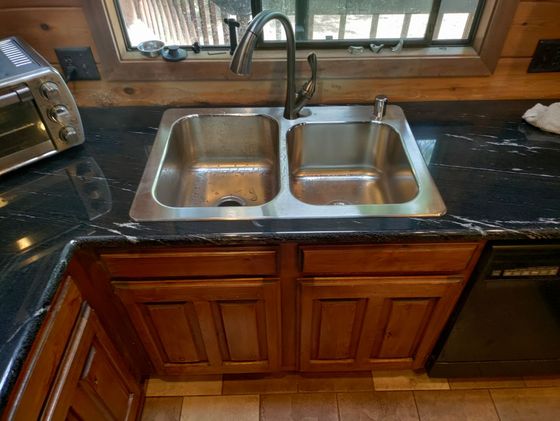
{"points": [[38, 115]]}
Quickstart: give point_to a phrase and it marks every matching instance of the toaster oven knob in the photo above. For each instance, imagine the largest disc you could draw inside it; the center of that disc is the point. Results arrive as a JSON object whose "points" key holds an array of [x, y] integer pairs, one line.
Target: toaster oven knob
{"points": [[69, 134], [50, 91], [60, 114]]}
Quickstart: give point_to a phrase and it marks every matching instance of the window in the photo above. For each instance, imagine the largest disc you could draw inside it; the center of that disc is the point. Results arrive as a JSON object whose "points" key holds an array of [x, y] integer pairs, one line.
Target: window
{"points": [[317, 23], [443, 37]]}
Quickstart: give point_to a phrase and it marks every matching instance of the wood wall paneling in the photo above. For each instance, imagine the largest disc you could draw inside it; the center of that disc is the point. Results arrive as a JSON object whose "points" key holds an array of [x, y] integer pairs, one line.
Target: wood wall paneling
{"points": [[534, 20], [12, 4], [47, 28], [66, 26]]}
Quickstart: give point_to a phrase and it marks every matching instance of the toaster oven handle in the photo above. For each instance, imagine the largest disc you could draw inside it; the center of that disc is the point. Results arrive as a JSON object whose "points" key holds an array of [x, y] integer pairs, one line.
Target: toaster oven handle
{"points": [[13, 97]]}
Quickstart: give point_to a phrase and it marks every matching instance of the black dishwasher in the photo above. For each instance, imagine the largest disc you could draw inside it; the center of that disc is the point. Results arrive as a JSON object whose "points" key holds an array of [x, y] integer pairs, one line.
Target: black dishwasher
{"points": [[508, 319]]}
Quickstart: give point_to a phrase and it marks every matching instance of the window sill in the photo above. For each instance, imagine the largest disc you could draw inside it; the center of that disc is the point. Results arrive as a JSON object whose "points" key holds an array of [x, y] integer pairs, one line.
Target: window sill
{"points": [[332, 64]]}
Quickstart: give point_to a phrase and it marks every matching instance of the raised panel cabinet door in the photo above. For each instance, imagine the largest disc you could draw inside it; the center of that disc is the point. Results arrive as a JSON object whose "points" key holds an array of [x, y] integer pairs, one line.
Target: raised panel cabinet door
{"points": [[362, 323], [93, 383], [211, 326]]}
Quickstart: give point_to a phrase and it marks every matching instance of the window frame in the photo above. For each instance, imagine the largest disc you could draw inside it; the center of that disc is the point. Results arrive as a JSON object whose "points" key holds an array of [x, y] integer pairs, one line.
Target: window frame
{"points": [[478, 59]]}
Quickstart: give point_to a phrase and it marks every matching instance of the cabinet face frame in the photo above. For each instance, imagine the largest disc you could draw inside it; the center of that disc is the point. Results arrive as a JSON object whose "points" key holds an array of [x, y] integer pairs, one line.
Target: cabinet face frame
{"points": [[211, 311], [373, 315]]}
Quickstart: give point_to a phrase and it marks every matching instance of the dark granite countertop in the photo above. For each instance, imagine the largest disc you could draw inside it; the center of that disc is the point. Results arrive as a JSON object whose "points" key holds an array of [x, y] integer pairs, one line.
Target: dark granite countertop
{"points": [[499, 177]]}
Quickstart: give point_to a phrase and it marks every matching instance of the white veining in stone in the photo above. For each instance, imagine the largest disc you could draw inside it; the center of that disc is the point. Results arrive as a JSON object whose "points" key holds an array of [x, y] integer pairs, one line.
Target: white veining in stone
{"points": [[456, 136]]}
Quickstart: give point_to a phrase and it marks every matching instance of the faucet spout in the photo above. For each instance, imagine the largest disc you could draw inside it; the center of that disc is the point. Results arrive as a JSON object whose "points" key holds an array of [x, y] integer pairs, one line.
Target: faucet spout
{"points": [[243, 57]]}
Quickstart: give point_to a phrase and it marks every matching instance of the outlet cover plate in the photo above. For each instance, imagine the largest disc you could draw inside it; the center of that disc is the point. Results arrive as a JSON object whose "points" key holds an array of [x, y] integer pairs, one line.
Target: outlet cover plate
{"points": [[77, 63], [546, 57]]}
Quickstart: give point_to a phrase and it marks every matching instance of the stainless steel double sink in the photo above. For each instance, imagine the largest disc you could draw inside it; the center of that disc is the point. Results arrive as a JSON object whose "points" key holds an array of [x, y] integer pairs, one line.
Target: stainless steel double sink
{"points": [[252, 163]]}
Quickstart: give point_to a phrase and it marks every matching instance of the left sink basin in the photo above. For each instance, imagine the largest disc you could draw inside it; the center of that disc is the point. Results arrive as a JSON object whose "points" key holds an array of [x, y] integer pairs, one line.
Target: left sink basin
{"points": [[211, 164], [219, 160]]}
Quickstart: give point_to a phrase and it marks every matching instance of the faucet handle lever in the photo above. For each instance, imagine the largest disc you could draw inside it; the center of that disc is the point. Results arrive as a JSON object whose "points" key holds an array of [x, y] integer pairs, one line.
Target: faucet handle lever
{"points": [[308, 88], [312, 60], [379, 107]]}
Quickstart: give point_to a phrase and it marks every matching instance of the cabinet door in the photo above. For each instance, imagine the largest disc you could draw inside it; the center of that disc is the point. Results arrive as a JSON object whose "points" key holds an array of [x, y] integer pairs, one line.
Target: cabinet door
{"points": [[357, 323], [93, 383], [41, 367], [213, 326]]}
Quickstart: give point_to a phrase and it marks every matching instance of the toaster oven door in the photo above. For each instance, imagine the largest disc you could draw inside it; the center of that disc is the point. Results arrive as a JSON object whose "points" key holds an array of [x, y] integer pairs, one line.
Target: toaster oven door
{"points": [[23, 136]]}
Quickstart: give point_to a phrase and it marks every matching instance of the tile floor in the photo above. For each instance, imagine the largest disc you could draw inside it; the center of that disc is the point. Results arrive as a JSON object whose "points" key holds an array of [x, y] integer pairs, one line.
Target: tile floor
{"points": [[381, 395]]}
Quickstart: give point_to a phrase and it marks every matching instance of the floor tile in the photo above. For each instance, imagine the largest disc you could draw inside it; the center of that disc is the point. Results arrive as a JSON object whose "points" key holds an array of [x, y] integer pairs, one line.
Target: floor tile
{"points": [[343, 382], [300, 406], [377, 406], [541, 404], [185, 386], [220, 408], [234, 384], [162, 409], [406, 380], [542, 381], [486, 383], [456, 405]]}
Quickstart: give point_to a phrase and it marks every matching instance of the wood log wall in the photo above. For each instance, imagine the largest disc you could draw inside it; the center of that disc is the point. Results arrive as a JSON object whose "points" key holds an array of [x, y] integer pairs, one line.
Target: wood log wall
{"points": [[58, 23]]}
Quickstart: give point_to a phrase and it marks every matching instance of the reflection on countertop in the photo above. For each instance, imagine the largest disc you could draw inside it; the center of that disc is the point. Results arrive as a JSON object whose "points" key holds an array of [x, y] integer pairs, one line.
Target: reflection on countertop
{"points": [[498, 176]]}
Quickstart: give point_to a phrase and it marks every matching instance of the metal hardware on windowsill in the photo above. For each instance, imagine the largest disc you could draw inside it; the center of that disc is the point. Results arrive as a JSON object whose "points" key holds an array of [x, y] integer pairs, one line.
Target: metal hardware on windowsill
{"points": [[232, 26], [173, 53], [376, 48], [355, 49], [398, 48]]}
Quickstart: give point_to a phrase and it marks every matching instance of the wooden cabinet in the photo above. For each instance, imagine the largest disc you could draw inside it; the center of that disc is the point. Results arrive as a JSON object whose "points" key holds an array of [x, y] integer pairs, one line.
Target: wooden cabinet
{"points": [[202, 310], [73, 370], [358, 324], [380, 306], [314, 308], [209, 326]]}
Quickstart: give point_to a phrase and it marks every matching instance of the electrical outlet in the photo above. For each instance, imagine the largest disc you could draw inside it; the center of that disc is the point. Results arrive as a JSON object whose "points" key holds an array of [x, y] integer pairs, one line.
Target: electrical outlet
{"points": [[546, 57], [77, 63]]}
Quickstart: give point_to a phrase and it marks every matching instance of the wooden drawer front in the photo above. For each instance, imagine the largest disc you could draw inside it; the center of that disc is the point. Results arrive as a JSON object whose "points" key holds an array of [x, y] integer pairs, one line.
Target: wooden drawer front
{"points": [[382, 259], [359, 324], [206, 326], [192, 263], [93, 382]]}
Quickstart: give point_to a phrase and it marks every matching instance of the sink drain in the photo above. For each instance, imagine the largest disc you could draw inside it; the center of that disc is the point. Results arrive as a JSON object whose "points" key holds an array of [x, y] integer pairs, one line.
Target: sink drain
{"points": [[230, 201]]}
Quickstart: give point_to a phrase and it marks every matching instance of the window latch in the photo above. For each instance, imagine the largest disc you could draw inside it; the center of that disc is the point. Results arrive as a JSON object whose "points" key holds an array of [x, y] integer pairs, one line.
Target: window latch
{"points": [[232, 26]]}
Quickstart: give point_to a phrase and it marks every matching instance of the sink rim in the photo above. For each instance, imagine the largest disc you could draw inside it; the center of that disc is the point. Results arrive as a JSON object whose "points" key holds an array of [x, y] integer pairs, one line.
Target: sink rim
{"points": [[285, 205]]}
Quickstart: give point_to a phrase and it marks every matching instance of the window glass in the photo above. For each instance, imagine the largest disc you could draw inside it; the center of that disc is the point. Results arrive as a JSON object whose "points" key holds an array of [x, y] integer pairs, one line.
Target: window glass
{"points": [[356, 19], [455, 19], [184, 22]]}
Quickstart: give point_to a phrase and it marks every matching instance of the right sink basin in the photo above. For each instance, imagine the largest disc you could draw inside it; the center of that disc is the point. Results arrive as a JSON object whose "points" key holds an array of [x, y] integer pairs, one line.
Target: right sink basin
{"points": [[349, 163]]}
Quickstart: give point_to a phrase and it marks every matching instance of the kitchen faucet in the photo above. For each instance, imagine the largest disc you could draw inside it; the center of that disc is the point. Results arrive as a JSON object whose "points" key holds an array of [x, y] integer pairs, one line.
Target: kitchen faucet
{"points": [[243, 56]]}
